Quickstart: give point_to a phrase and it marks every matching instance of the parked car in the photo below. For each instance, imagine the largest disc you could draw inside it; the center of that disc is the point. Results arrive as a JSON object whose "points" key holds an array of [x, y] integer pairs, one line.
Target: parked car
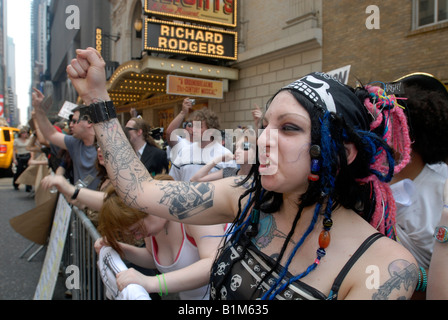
{"points": [[7, 135]]}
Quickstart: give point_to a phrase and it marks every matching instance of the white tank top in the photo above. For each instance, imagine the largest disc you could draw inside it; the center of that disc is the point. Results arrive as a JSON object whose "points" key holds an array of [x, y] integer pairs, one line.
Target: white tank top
{"points": [[187, 255]]}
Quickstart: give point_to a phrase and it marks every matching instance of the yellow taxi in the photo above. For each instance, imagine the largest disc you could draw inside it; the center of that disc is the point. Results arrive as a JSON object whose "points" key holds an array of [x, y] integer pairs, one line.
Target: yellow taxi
{"points": [[7, 135]]}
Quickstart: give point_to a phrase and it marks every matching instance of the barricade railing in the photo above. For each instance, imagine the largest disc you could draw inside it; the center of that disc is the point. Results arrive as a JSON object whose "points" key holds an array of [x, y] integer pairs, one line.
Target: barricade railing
{"points": [[79, 252]]}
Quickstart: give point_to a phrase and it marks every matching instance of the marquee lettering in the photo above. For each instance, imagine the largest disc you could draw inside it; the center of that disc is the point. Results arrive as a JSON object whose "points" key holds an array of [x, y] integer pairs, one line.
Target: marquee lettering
{"points": [[205, 5], [186, 39]]}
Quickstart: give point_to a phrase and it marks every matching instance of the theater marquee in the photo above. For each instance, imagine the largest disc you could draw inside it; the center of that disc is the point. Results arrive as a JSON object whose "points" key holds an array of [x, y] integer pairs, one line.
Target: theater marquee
{"points": [[170, 37], [218, 12]]}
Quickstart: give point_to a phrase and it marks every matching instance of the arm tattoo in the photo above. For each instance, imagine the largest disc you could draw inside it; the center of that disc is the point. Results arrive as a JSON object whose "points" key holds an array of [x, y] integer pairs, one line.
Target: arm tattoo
{"points": [[403, 274], [186, 199], [125, 170]]}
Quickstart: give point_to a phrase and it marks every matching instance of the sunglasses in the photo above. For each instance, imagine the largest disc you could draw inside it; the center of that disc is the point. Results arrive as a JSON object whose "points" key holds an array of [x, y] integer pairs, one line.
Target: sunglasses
{"points": [[129, 129], [188, 124], [246, 146], [76, 121]]}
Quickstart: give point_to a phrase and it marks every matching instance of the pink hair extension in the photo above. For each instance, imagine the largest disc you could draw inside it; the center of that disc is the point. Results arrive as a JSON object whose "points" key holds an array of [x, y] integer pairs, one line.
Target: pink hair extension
{"points": [[383, 218], [397, 137], [397, 130]]}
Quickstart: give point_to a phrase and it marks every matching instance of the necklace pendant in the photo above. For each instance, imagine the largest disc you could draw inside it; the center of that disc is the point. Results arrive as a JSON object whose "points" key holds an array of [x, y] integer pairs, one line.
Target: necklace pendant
{"points": [[324, 239]]}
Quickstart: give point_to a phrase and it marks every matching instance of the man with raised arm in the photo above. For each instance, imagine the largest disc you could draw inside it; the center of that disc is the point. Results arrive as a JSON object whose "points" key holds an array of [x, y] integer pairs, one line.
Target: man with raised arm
{"points": [[80, 145]]}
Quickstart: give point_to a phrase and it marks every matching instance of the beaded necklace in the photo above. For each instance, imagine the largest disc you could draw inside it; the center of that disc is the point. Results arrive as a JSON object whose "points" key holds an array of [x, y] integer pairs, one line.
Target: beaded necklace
{"points": [[324, 236]]}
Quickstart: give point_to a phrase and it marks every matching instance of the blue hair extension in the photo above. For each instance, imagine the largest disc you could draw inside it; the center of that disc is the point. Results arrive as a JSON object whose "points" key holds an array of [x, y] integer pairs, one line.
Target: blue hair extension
{"points": [[295, 278], [329, 154], [291, 256], [375, 147], [234, 229], [244, 224], [329, 150]]}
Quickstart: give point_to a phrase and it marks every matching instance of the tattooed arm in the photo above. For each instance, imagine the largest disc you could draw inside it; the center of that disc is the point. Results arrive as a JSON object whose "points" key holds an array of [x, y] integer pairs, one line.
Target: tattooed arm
{"points": [[438, 273], [378, 276], [193, 203]]}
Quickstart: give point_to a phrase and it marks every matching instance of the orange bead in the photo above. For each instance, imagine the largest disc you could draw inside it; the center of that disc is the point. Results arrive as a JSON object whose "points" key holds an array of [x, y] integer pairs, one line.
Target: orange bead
{"points": [[324, 239]]}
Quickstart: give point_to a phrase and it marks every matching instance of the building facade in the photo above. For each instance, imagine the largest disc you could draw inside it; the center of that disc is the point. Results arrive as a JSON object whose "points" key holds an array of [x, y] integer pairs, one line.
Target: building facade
{"points": [[59, 28], [3, 52], [277, 42], [11, 109], [385, 40], [40, 37]]}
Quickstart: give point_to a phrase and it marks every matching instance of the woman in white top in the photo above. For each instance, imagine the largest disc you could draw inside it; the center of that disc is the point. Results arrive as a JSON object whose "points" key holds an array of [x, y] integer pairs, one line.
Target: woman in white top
{"points": [[21, 156]]}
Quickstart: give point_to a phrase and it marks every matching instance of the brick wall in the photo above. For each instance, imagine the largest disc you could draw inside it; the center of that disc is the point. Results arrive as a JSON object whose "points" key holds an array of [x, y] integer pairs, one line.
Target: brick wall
{"points": [[385, 54], [258, 83]]}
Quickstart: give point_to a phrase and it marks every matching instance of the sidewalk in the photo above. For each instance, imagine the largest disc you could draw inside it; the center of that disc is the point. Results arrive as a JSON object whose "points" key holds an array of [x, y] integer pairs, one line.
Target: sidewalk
{"points": [[19, 277]]}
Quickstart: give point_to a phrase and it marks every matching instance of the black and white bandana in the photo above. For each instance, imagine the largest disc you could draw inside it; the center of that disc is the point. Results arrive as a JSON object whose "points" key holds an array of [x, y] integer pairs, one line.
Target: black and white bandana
{"points": [[331, 95]]}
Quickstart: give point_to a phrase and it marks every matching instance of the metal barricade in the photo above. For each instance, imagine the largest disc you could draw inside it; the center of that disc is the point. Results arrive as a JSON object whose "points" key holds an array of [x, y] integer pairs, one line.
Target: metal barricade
{"points": [[79, 251]]}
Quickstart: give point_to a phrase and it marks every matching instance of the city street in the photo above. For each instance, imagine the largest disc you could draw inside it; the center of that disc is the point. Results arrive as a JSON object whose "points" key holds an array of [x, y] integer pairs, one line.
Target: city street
{"points": [[335, 103], [19, 277]]}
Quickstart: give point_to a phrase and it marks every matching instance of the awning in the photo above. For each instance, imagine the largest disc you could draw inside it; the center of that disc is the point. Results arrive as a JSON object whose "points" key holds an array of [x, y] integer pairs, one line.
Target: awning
{"points": [[138, 80]]}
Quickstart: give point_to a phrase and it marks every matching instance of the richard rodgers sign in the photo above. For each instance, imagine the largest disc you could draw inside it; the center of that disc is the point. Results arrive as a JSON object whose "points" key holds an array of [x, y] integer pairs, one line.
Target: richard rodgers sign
{"points": [[163, 36]]}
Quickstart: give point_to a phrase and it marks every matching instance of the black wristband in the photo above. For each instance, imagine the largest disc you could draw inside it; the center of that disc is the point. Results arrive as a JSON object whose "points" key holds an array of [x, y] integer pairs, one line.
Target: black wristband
{"points": [[75, 194], [102, 111]]}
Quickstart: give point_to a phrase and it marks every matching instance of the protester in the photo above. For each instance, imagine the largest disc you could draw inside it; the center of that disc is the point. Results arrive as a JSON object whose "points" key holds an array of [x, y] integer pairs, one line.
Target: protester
{"points": [[171, 131], [83, 198], [438, 275], [425, 99], [182, 253], [37, 155], [138, 132], [80, 144], [21, 156], [189, 151], [190, 157], [257, 115], [245, 156], [320, 164]]}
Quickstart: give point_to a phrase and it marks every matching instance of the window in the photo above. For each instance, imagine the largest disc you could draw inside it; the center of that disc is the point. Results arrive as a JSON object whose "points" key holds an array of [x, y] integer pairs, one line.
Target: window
{"points": [[427, 12], [6, 135]]}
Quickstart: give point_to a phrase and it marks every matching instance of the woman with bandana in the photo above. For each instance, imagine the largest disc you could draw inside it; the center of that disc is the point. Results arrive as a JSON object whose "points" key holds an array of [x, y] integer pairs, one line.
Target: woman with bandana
{"points": [[309, 220]]}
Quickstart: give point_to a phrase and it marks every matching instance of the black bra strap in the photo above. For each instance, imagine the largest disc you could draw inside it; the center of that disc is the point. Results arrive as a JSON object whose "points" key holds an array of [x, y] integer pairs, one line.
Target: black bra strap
{"points": [[341, 276]]}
